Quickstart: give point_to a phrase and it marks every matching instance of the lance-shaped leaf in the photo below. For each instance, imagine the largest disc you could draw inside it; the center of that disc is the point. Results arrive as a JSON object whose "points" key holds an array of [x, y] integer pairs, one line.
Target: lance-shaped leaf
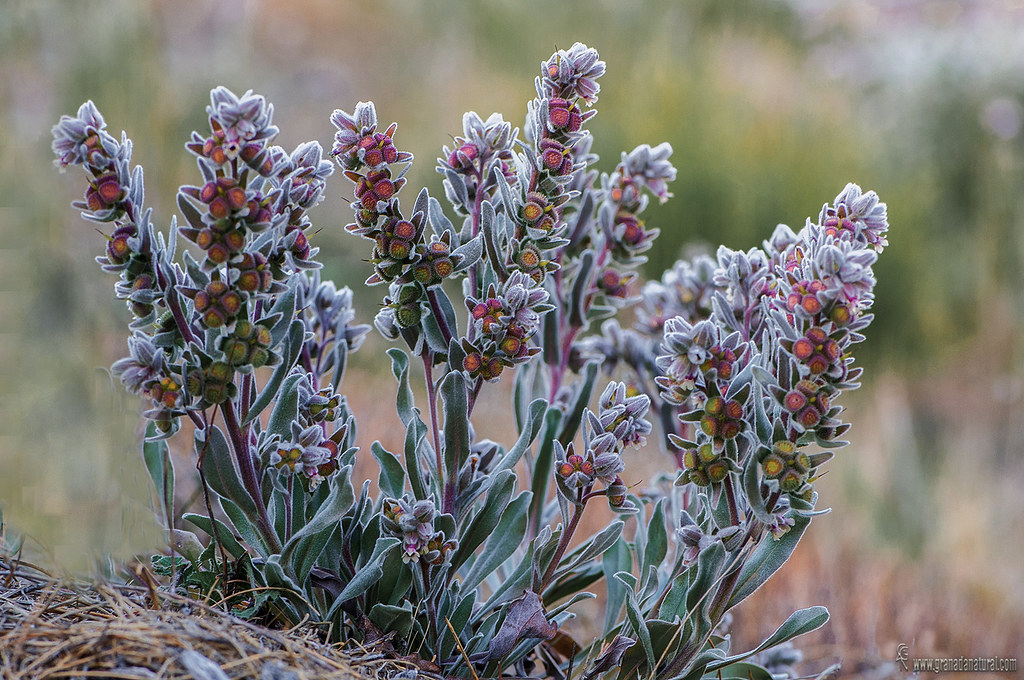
{"points": [[543, 466], [591, 549], [286, 408], [157, 457], [456, 422], [752, 487], [616, 559], [503, 541], [799, 622], [492, 245], [369, 574], [219, 469], [574, 416], [304, 547], [636, 617], [657, 541], [223, 534], [524, 620], [400, 369], [528, 433], [580, 290], [483, 524], [392, 474], [767, 558]]}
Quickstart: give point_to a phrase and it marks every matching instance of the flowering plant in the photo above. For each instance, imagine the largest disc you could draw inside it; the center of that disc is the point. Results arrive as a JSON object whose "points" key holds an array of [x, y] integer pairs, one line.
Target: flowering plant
{"points": [[460, 561]]}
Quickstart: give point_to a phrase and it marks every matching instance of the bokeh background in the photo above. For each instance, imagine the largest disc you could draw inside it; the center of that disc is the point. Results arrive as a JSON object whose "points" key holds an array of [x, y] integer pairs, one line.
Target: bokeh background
{"points": [[771, 107]]}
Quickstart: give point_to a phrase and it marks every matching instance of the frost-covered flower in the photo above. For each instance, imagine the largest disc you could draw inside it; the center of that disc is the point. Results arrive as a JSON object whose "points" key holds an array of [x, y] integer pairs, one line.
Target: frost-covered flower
{"points": [[857, 216], [83, 139], [305, 183], [143, 366], [304, 452], [623, 416], [573, 73], [691, 352]]}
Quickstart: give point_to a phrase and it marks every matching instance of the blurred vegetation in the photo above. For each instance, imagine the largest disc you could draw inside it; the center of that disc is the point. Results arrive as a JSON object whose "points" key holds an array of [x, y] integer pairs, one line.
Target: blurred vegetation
{"points": [[771, 107]]}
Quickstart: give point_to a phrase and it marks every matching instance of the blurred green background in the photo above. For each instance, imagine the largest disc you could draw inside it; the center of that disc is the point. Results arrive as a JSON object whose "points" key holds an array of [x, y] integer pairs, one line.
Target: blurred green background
{"points": [[771, 107]]}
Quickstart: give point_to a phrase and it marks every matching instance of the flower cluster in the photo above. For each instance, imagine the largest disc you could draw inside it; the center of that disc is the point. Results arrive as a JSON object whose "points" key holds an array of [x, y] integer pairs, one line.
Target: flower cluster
{"points": [[307, 453], [502, 325], [777, 323], [618, 423], [473, 162], [558, 152], [413, 522]]}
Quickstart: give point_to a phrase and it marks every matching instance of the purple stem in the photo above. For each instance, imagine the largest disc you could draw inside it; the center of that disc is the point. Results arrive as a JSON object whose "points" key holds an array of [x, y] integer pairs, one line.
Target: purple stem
{"points": [[247, 469]]}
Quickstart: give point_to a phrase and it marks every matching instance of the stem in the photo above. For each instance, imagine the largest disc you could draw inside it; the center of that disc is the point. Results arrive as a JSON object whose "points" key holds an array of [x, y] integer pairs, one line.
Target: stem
{"points": [[730, 496], [473, 395], [477, 206], [428, 375], [288, 508], [249, 478], [563, 542], [435, 308]]}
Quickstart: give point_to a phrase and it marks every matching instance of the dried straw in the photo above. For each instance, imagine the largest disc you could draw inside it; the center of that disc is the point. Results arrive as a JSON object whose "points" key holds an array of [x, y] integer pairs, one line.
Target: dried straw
{"points": [[53, 629]]}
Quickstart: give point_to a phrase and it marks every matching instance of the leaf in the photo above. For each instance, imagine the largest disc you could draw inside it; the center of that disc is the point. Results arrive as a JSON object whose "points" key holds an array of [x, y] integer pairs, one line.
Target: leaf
{"points": [[490, 240], [391, 618], [458, 620], [636, 618], [527, 434], [224, 535], [415, 434], [469, 253], [400, 369], [752, 487], [483, 524], [616, 559], [610, 657], [285, 306], [742, 671], [456, 423], [763, 425], [710, 564], [286, 410], [570, 584], [365, 577], [543, 466], [431, 324], [593, 548], [574, 415], [551, 345], [245, 528], [219, 469], [439, 222], [392, 474], [580, 290], [290, 354], [502, 543], [799, 622], [769, 555], [657, 539], [157, 457], [524, 620], [304, 547]]}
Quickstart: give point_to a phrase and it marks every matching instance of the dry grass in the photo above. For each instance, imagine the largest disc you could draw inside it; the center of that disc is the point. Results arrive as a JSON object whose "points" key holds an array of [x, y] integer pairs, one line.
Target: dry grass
{"points": [[58, 629]]}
